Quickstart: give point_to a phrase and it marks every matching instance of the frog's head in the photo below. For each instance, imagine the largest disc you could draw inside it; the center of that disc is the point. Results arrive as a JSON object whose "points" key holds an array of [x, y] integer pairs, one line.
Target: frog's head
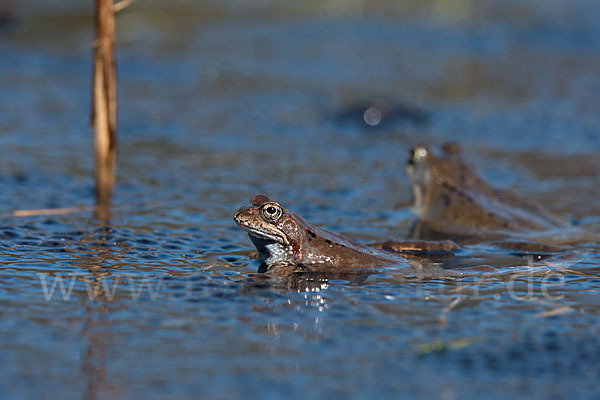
{"points": [[425, 170], [276, 232]]}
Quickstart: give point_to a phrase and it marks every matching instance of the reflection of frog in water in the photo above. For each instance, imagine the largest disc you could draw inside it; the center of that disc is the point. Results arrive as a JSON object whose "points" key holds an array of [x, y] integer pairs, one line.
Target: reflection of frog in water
{"points": [[450, 198]]}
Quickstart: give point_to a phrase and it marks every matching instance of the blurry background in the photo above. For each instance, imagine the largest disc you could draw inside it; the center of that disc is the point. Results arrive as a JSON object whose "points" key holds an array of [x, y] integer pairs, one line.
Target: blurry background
{"points": [[286, 84], [222, 100]]}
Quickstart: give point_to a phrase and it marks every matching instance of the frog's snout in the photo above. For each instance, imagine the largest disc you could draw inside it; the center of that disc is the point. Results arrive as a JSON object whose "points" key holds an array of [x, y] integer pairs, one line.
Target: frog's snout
{"points": [[238, 216]]}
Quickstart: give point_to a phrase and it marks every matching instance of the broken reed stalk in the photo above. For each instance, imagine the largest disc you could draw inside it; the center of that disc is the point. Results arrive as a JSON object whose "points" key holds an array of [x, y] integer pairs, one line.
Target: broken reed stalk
{"points": [[53, 211], [104, 112], [104, 102]]}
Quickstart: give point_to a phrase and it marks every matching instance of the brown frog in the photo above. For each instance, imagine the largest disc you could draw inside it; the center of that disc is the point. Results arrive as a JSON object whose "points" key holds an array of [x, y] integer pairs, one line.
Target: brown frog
{"points": [[287, 243], [450, 197]]}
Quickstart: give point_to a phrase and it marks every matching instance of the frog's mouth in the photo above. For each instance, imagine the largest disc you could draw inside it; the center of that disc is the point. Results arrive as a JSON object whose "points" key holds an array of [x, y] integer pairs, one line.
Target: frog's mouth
{"points": [[262, 235], [246, 218]]}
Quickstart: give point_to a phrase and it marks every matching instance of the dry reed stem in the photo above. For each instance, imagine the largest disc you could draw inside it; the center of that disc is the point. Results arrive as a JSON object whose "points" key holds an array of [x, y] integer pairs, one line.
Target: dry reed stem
{"points": [[120, 6], [53, 211], [554, 312], [443, 320], [104, 102], [542, 302], [567, 270]]}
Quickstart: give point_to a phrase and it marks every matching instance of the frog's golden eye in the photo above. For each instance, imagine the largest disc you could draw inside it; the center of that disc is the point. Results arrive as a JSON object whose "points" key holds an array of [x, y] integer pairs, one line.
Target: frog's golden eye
{"points": [[272, 212]]}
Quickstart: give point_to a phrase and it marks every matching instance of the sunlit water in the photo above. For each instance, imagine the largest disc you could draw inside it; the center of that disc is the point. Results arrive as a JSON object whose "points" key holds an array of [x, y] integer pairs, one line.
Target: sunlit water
{"points": [[220, 104]]}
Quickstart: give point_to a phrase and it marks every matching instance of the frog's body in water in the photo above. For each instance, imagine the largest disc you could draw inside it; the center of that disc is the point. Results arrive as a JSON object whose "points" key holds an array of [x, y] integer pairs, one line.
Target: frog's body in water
{"points": [[286, 242], [449, 197]]}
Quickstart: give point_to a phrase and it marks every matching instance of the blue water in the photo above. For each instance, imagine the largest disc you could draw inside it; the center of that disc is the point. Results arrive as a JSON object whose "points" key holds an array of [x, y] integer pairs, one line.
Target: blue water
{"points": [[222, 101]]}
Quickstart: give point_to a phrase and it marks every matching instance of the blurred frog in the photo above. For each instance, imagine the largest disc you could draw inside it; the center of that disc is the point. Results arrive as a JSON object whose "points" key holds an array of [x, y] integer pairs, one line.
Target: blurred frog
{"points": [[449, 197]]}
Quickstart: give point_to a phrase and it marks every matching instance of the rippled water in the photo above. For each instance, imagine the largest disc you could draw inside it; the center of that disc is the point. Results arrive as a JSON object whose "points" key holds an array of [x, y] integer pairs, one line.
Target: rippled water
{"points": [[219, 102]]}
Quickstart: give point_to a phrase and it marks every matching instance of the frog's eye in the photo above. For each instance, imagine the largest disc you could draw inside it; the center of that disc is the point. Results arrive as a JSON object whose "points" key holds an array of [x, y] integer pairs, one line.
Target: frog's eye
{"points": [[271, 212]]}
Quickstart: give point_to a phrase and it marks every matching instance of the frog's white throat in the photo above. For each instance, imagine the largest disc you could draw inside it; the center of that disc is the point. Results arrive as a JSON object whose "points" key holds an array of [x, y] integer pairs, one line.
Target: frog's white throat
{"points": [[277, 253], [271, 251]]}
